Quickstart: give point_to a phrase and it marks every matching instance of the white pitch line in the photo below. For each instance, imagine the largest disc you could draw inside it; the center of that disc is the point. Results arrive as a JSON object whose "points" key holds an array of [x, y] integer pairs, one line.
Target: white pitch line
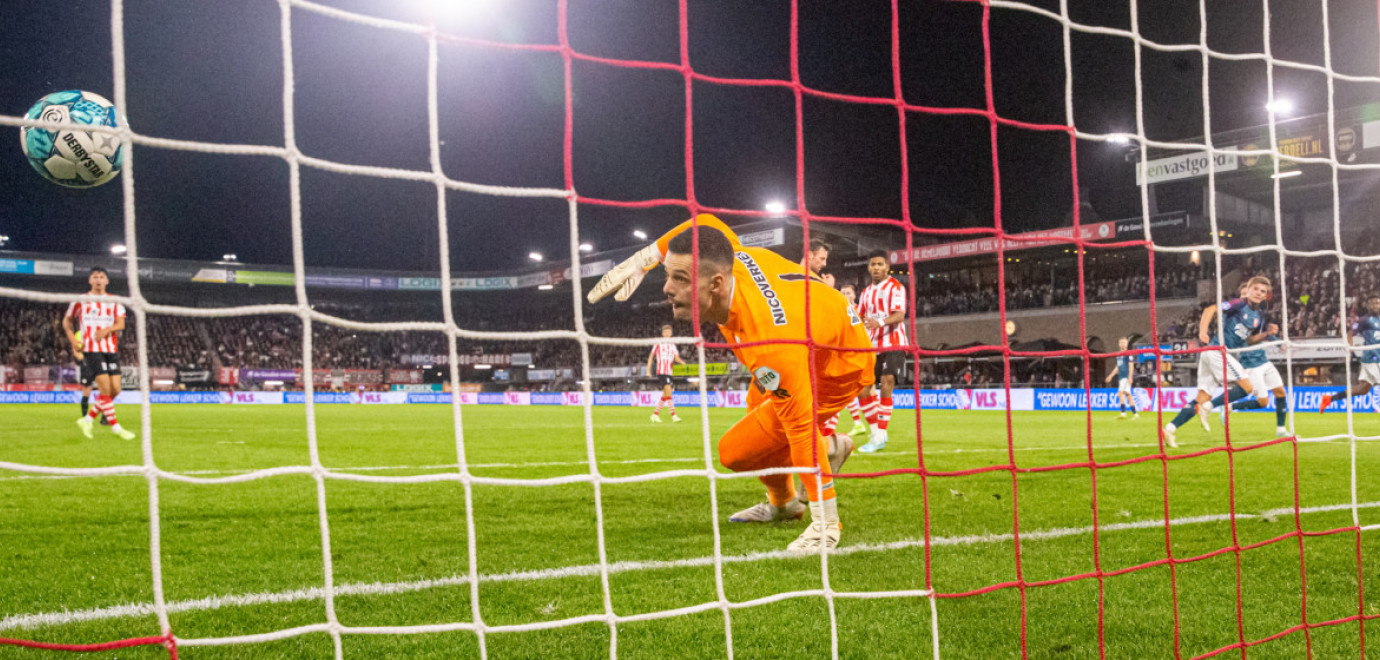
{"points": [[42, 619]]}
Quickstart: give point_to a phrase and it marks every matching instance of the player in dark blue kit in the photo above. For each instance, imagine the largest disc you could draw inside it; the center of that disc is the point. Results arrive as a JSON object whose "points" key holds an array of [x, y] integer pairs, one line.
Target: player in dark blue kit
{"points": [[1368, 329], [1124, 394], [1242, 325], [1265, 379]]}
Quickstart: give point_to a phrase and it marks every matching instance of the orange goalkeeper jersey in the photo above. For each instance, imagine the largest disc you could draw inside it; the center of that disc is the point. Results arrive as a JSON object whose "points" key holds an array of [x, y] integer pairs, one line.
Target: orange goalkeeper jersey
{"points": [[769, 303]]}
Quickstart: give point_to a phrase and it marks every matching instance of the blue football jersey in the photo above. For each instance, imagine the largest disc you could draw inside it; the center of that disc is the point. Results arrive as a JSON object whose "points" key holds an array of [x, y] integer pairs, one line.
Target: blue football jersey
{"points": [[1239, 320], [1123, 366], [1368, 328]]}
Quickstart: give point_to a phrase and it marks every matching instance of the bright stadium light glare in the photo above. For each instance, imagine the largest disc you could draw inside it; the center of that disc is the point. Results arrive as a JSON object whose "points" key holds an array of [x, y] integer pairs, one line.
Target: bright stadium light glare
{"points": [[3, 240], [229, 257], [1287, 174], [534, 256], [483, 367], [1119, 139], [586, 247], [546, 287], [639, 234], [776, 207], [1280, 106], [118, 248]]}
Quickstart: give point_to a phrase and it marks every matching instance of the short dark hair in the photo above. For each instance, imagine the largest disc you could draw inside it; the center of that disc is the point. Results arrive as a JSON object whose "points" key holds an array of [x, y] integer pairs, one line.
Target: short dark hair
{"points": [[100, 269], [879, 254], [715, 248], [816, 244]]}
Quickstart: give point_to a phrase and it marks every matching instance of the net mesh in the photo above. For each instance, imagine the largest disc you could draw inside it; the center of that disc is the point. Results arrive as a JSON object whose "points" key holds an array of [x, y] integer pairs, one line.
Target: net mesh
{"points": [[295, 159]]}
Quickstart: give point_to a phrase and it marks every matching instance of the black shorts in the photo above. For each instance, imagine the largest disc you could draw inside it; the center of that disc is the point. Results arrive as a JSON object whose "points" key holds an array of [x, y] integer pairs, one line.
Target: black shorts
{"points": [[890, 362], [95, 364], [666, 380]]}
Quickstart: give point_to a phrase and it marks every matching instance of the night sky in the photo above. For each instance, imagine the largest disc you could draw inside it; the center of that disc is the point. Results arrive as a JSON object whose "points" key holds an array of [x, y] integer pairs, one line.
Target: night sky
{"points": [[212, 71]]}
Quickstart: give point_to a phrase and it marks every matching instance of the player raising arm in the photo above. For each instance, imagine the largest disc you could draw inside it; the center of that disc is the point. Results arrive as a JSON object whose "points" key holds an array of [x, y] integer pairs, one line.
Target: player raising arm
{"points": [[755, 295], [1242, 325], [664, 355], [1368, 329], [100, 321]]}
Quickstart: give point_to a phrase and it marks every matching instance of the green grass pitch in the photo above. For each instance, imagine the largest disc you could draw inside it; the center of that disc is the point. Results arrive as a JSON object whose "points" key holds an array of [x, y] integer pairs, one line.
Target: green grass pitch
{"points": [[245, 558]]}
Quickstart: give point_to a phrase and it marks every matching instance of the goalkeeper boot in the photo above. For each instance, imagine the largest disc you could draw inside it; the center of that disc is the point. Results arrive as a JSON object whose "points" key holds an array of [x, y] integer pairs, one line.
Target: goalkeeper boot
{"points": [[876, 444], [767, 512], [121, 433], [85, 425], [656, 419], [676, 418], [816, 535], [1326, 401]]}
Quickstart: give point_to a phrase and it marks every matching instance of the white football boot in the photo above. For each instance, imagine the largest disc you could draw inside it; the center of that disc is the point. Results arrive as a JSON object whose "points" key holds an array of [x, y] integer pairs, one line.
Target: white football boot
{"points": [[766, 512]]}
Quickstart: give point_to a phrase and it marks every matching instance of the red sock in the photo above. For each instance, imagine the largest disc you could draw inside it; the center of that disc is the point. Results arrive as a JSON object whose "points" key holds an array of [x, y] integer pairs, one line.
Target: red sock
{"points": [[870, 409], [670, 405], [107, 406], [884, 416]]}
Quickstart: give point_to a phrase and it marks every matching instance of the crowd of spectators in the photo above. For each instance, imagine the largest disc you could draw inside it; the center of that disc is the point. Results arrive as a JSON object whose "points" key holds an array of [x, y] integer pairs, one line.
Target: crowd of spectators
{"points": [[31, 333], [942, 297]]}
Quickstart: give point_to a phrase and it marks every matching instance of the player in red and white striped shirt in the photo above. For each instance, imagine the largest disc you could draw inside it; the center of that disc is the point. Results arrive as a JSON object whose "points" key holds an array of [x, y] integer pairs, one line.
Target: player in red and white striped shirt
{"points": [[665, 355], [883, 308], [100, 321]]}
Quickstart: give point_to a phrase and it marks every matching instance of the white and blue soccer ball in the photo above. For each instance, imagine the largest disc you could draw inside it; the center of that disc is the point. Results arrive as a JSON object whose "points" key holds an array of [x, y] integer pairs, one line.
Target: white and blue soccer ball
{"points": [[74, 158]]}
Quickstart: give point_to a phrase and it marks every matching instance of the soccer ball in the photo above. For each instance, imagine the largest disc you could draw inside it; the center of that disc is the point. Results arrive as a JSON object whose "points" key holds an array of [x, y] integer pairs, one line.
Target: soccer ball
{"points": [[76, 159]]}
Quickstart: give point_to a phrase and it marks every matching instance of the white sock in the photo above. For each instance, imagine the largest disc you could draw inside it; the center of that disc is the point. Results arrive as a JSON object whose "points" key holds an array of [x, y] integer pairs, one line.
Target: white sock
{"points": [[826, 511]]}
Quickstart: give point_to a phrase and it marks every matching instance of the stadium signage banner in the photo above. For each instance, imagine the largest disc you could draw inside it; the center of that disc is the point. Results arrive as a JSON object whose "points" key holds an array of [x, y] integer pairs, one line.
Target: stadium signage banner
{"points": [[194, 376], [36, 267], [1187, 166], [615, 372], [418, 387], [1071, 400], [500, 359], [1099, 231], [591, 269], [765, 238], [404, 376], [268, 374], [1135, 227], [710, 369], [1309, 349]]}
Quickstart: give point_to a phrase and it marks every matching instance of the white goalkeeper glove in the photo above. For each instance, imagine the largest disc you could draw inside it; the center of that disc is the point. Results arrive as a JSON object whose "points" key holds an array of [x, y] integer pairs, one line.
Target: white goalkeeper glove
{"points": [[625, 277]]}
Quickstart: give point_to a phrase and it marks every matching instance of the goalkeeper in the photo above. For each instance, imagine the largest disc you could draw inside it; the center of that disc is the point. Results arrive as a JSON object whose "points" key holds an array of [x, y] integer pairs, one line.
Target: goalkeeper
{"points": [[755, 295]]}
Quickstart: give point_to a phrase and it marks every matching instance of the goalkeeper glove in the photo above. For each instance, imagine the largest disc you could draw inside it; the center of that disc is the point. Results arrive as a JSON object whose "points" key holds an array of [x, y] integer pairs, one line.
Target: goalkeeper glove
{"points": [[626, 276]]}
